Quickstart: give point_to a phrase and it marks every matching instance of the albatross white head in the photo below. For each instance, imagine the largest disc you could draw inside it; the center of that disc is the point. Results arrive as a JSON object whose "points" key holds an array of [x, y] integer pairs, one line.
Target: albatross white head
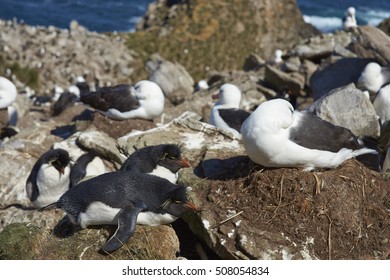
{"points": [[229, 96], [371, 78]]}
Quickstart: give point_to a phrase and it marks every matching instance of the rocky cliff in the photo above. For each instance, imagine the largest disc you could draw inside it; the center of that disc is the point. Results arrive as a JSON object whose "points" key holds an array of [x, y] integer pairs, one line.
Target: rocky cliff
{"points": [[219, 35]]}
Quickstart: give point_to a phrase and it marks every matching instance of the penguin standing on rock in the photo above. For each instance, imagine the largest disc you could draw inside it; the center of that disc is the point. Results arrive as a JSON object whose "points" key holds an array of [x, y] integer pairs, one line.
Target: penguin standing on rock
{"points": [[49, 178], [161, 160], [123, 198]]}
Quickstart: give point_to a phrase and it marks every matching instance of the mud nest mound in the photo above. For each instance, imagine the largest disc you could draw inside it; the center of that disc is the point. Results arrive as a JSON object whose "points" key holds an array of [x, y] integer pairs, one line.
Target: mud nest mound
{"points": [[345, 211]]}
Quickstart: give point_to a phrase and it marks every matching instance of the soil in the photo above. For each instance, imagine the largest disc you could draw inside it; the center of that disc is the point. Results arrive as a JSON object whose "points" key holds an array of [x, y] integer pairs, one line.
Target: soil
{"points": [[341, 209]]}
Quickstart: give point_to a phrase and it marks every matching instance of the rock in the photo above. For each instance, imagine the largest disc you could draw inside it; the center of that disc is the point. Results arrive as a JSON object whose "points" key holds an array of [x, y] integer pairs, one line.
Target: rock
{"points": [[348, 107], [341, 73], [103, 144], [308, 68], [20, 241], [173, 78], [55, 57], [15, 167], [371, 42], [385, 26], [291, 83], [321, 46], [201, 37], [292, 64], [253, 62]]}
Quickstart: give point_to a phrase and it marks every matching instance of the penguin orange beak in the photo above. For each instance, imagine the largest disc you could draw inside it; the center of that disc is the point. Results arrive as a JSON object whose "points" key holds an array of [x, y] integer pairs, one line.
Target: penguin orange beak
{"points": [[215, 95], [190, 206], [62, 170], [184, 163]]}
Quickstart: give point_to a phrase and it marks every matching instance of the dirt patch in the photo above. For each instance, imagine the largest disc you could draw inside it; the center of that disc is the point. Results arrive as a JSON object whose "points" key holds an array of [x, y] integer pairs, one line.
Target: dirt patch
{"points": [[345, 211], [116, 129]]}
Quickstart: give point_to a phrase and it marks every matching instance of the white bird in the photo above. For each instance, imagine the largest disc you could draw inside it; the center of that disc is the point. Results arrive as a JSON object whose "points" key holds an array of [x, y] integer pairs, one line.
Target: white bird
{"points": [[278, 56], [144, 100], [202, 84], [275, 135], [373, 77], [225, 113], [350, 19], [8, 93], [382, 104]]}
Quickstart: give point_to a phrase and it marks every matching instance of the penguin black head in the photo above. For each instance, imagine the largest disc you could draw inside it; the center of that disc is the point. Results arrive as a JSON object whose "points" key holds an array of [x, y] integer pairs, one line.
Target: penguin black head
{"points": [[147, 159], [58, 158], [171, 158], [178, 204]]}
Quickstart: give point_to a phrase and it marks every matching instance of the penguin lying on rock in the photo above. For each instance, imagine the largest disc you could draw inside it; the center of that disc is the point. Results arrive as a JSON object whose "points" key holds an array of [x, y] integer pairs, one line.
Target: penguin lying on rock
{"points": [[124, 198]]}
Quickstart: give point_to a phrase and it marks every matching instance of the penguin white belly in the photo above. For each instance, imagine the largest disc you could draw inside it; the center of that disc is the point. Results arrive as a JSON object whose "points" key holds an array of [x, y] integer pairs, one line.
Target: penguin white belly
{"points": [[162, 172], [51, 185], [95, 167], [153, 219], [99, 213]]}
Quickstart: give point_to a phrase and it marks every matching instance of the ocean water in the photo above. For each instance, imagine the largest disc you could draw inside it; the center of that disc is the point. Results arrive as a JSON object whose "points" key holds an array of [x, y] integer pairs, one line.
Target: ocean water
{"points": [[122, 15], [327, 15]]}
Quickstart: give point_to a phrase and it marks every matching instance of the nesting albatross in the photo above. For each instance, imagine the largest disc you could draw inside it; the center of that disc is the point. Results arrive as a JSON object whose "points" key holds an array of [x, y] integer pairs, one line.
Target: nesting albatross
{"points": [[275, 135], [225, 113], [374, 77], [144, 100]]}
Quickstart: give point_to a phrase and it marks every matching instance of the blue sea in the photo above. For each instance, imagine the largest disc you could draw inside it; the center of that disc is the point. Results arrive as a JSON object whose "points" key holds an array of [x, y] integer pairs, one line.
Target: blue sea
{"points": [[121, 15]]}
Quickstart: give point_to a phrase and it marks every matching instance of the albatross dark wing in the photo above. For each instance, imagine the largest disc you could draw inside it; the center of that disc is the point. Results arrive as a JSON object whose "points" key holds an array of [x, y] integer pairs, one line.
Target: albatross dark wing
{"points": [[314, 133], [233, 117], [118, 97]]}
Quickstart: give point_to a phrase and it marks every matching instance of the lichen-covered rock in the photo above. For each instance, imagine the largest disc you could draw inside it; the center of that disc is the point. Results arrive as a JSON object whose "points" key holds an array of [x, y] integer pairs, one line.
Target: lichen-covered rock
{"points": [[385, 26], [215, 35]]}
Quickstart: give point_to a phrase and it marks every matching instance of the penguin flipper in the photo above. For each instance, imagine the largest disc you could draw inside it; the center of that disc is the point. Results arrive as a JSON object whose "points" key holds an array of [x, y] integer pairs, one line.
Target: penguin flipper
{"points": [[49, 207], [127, 219]]}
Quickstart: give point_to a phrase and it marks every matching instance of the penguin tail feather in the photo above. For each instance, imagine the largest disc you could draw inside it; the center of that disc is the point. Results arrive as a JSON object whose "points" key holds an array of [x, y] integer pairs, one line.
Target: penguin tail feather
{"points": [[49, 207]]}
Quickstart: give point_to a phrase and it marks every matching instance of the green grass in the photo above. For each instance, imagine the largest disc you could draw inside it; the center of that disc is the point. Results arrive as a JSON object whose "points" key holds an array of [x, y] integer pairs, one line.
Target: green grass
{"points": [[26, 75]]}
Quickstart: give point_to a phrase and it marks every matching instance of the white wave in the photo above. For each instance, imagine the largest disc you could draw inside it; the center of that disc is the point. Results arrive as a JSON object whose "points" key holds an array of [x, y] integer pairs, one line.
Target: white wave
{"points": [[133, 22], [324, 24], [372, 16]]}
